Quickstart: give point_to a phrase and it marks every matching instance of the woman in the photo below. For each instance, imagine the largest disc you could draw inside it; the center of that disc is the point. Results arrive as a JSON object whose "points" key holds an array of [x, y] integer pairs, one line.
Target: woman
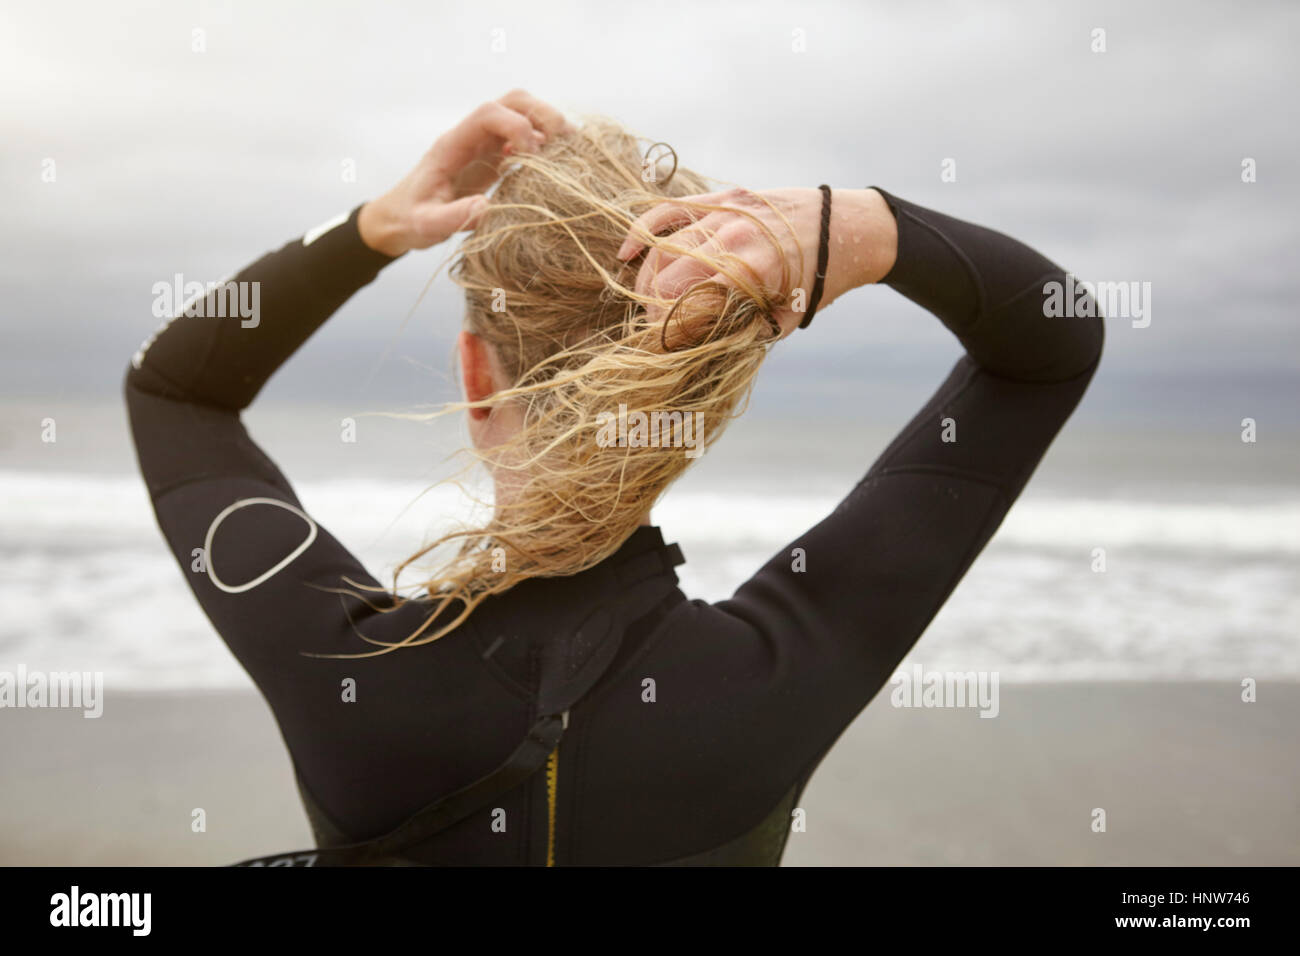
{"points": [[424, 729]]}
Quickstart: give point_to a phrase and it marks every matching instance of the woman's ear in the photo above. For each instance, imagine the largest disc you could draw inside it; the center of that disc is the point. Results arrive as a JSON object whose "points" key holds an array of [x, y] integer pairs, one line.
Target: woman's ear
{"points": [[476, 372]]}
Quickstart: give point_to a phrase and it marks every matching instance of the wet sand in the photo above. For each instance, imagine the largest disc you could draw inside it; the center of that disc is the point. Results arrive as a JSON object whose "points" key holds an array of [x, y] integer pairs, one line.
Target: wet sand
{"points": [[1187, 774]]}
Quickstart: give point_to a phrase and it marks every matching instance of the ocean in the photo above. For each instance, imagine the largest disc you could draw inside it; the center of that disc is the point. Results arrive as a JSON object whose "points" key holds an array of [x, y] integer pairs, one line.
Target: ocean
{"points": [[1202, 556]]}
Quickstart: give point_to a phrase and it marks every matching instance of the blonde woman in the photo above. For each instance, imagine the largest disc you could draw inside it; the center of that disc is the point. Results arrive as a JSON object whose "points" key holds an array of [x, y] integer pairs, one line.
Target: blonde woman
{"points": [[548, 695]]}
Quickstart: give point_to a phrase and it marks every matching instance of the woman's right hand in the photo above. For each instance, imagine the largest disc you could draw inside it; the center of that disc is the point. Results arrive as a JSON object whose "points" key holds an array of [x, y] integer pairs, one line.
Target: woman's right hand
{"points": [[863, 243], [443, 194]]}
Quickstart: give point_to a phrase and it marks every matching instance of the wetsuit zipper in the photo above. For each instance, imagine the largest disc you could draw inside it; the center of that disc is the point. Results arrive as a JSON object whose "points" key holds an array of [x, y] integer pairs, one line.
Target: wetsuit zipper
{"points": [[552, 785], [552, 795]]}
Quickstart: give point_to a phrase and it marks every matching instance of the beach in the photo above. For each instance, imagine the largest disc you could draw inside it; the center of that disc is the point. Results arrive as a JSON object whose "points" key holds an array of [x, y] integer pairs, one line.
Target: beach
{"points": [[1131, 590], [1188, 775], [1135, 614]]}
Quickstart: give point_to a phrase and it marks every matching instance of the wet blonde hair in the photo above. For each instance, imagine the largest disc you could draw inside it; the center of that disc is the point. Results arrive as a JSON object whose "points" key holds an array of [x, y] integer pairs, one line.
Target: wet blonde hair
{"points": [[544, 287]]}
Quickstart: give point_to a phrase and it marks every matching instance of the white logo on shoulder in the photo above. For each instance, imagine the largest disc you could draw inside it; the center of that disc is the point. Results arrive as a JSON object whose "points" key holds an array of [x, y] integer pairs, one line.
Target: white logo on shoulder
{"points": [[311, 235]]}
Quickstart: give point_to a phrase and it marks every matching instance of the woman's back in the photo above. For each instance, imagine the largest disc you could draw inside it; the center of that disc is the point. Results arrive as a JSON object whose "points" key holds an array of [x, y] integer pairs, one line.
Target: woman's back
{"points": [[690, 728]]}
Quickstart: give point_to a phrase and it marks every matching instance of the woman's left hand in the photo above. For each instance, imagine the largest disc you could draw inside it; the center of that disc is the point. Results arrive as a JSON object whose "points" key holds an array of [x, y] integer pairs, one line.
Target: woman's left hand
{"points": [[443, 194], [770, 232]]}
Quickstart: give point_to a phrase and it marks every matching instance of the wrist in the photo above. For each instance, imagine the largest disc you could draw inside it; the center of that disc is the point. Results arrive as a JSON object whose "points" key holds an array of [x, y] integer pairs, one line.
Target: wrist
{"points": [[381, 228], [863, 241]]}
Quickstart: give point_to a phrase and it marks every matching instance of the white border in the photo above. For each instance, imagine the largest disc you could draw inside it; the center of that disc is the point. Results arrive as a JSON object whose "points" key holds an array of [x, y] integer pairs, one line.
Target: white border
{"points": [[263, 578]]}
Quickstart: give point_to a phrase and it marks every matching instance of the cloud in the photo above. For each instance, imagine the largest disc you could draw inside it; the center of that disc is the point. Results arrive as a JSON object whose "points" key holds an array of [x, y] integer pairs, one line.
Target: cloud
{"points": [[1121, 165]]}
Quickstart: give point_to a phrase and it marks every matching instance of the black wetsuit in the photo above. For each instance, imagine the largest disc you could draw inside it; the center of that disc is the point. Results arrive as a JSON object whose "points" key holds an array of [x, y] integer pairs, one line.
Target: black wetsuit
{"points": [[749, 693]]}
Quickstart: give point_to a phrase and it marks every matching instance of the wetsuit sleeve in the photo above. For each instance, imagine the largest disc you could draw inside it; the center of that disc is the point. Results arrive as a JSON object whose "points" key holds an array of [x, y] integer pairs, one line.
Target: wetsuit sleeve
{"points": [[259, 571], [839, 607]]}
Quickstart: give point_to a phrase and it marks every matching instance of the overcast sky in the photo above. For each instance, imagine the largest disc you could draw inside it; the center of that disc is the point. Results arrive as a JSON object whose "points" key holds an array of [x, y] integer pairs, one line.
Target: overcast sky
{"points": [[1122, 165]]}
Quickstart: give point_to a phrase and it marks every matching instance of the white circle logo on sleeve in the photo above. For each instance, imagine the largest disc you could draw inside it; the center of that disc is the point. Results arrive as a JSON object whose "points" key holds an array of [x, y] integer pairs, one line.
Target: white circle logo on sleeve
{"points": [[266, 576]]}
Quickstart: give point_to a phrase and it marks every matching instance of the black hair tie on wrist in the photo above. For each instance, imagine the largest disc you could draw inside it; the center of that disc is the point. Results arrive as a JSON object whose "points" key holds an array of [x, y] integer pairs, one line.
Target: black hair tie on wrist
{"points": [[823, 257]]}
